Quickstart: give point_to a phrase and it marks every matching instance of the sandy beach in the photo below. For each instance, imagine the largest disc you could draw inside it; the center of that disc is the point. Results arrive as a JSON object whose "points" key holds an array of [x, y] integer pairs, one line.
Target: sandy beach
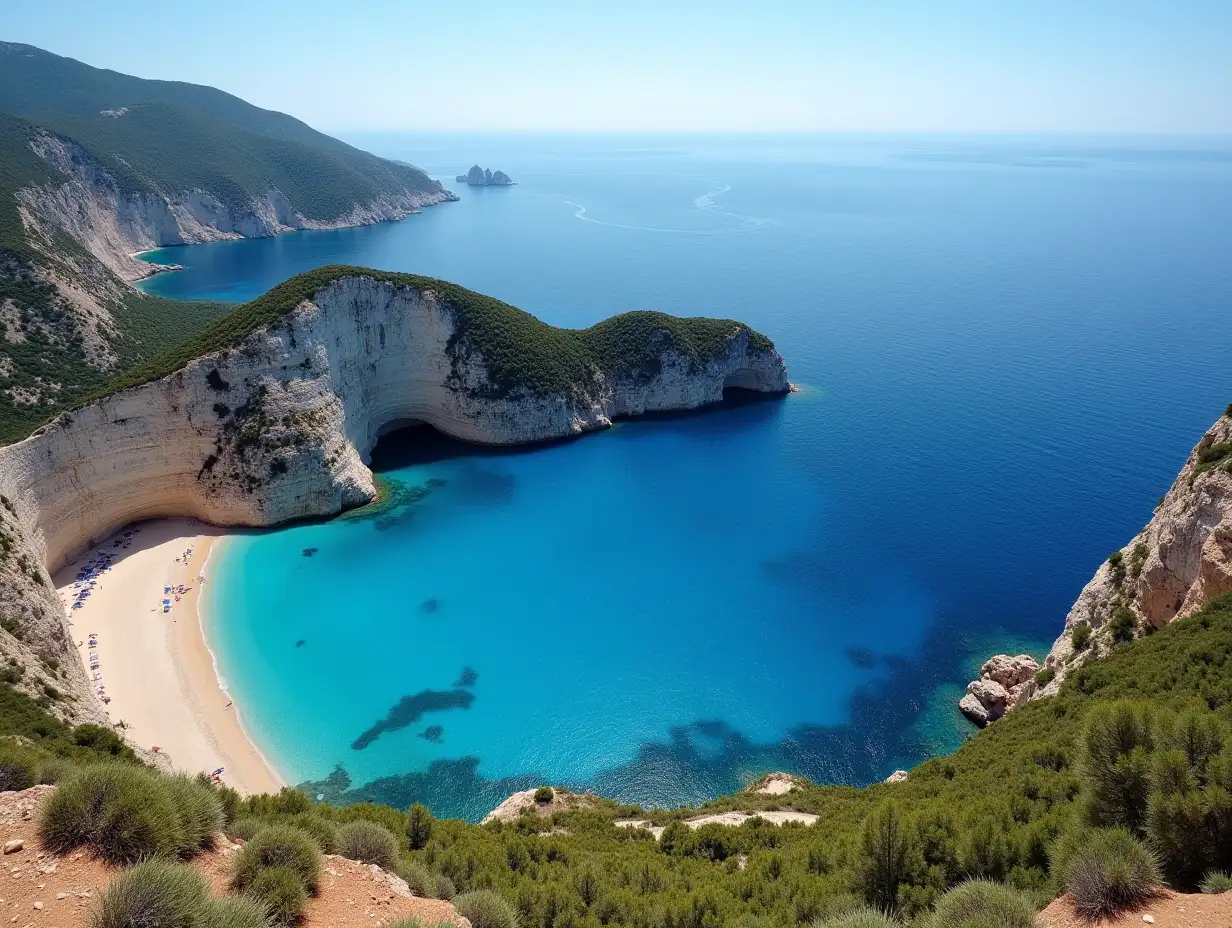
{"points": [[155, 667]]}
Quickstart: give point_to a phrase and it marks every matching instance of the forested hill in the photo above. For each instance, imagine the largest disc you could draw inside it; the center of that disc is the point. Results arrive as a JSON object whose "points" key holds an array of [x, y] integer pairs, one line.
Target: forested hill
{"points": [[171, 136], [96, 166]]}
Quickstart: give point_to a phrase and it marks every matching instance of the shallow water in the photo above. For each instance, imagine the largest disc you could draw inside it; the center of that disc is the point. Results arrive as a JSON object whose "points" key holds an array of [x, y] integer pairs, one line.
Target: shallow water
{"points": [[1006, 349]]}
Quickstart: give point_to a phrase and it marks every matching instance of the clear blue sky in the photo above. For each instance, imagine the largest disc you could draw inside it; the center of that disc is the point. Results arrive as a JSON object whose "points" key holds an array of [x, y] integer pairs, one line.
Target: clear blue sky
{"points": [[933, 65]]}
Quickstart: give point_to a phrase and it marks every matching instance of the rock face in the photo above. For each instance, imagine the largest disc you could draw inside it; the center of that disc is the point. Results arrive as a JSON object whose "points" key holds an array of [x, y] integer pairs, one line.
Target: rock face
{"points": [[112, 225], [1004, 681], [484, 177], [279, 426], [1180, 561]]}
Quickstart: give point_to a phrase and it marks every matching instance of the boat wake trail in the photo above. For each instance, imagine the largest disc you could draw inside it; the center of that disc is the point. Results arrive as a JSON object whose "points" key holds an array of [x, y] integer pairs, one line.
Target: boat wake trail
{"points": [[741, 223]]}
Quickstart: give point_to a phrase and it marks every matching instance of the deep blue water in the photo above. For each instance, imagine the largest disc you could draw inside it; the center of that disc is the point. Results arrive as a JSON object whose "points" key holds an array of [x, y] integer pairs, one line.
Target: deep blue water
{"points": [[1006, 348]]}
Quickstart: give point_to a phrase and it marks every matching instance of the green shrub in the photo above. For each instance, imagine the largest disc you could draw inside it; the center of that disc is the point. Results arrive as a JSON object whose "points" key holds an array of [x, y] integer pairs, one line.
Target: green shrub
{"points": [[418, 878], [544, 795], [244, 828], [324, 833], [486, 909], [280, 890], [1217, 881], [18, 768], [368, 843], [983, 904], [1123, 624], [1109, 870], [51, 770], [199, 809], [1116, 764], [278, 846], [234, 912], [1080, 636], [124, 814], [153, 894], [418, 826], [862, 917], [442, 887], [1044, 676]]}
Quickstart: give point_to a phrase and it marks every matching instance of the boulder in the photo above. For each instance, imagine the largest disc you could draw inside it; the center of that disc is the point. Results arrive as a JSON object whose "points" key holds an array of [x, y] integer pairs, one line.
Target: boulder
{"points": [[975, 711], [898, 776]]}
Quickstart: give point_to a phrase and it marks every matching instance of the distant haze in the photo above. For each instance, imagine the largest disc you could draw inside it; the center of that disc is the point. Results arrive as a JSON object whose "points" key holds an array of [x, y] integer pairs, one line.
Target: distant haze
{"points": [[1151, 66]]}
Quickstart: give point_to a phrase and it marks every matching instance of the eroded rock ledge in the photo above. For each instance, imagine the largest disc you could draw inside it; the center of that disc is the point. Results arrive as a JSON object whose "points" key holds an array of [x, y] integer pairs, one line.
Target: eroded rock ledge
{"points": [[278, 424]]}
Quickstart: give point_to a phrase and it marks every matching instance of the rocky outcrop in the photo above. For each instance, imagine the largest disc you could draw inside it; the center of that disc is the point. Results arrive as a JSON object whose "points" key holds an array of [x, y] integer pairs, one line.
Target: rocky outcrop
{"points": [[278, 427], [113, 225], [1004, 681], [1178, 563], [484, 177]]}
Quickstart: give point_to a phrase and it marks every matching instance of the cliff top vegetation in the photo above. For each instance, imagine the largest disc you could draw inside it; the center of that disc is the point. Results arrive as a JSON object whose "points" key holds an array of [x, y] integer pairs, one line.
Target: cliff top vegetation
{"points": [[518, 349]]}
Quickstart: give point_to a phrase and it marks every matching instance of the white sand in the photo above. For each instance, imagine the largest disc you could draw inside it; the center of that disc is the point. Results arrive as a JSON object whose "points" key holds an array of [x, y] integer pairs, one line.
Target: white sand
{"points": [[155, 666], [731, 819]]}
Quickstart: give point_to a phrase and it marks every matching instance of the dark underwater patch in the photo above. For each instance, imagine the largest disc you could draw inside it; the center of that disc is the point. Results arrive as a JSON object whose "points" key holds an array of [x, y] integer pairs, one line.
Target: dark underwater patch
{"points": [[301, 642], [430, 605], [466, 678], [435, 483], [861, 657], [309, 552], [410, 709], [433, 733], [483, 486]]}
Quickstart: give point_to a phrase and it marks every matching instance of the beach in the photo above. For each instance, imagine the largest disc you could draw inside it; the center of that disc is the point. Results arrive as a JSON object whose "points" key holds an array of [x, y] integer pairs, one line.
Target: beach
{"points": [[155, 667]]}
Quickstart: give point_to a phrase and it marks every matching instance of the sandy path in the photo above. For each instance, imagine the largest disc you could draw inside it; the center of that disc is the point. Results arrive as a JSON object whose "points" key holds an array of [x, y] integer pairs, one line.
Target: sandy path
{"points": [[155, 666]]}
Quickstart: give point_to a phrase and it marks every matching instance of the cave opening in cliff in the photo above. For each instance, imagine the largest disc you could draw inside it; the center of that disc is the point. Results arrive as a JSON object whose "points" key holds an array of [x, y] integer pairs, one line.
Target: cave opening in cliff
{"points": [[406, 442]]}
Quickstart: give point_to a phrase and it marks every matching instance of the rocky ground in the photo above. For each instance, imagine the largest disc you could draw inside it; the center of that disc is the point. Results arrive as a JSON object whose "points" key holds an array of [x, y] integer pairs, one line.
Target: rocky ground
{"points": [[1168, 910], [41, 890]]}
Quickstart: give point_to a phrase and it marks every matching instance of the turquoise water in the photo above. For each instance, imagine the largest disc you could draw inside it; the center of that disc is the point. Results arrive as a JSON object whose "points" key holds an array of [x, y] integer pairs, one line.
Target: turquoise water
{"points": [[1007, 347]]}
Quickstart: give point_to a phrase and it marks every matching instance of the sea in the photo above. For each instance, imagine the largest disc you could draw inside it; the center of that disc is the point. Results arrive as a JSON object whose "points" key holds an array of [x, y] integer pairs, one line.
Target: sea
{"points": [[1005, 347]]}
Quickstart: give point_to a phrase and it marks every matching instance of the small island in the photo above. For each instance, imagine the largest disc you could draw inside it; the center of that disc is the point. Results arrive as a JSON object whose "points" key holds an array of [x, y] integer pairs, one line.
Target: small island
{"points": [[485, 177]]}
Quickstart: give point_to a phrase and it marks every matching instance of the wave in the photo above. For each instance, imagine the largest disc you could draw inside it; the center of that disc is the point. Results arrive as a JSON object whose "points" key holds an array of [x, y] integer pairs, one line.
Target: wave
{"points": [[705, 202]]}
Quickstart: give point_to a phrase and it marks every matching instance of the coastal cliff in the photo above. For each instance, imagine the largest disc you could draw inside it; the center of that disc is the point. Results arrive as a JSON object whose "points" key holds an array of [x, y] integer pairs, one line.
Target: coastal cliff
{"points": [[1177, 564], [85, 201], [275, 420]]}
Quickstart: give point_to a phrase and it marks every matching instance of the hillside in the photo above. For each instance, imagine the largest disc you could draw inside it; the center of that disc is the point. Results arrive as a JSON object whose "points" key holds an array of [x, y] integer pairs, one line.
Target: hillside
{"points": [[96, 166]]}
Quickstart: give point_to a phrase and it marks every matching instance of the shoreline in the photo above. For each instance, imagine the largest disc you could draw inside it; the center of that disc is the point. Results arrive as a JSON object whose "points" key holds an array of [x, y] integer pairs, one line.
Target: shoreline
{"points": [[156, 667]]}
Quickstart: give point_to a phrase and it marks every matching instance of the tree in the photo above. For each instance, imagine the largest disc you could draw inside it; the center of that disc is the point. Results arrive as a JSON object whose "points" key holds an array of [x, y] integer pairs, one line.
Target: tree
{"points": [[886, 852], [418, 826]]}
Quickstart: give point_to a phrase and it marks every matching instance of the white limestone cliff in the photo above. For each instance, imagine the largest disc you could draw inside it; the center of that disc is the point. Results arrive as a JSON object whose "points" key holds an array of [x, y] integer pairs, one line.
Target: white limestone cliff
{"points": [[1178, 563], [112, 225], [279, 426]]}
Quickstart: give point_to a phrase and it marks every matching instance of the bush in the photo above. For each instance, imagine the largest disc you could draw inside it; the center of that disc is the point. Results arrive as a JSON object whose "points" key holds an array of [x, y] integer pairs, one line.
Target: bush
{"points": [[862, 917], [200, 811], [1217, 881], [486, 909], [244, 828], [323, 832], [281, 891], [983, 904], [416, 923], [1123, 624], [18, 768], [368, 843], [1080, 636], [544, 795], [153, 894], [419, 878], [1044, 676], [443, 887], [1117, 742], [1109, 870], [124, 814], [234, 912], [277, 846], [418, 826], [52, 770]]}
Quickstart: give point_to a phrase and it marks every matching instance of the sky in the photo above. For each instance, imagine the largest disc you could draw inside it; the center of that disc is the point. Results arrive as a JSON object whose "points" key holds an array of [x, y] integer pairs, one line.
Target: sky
{"points": [[1123, 66]]}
